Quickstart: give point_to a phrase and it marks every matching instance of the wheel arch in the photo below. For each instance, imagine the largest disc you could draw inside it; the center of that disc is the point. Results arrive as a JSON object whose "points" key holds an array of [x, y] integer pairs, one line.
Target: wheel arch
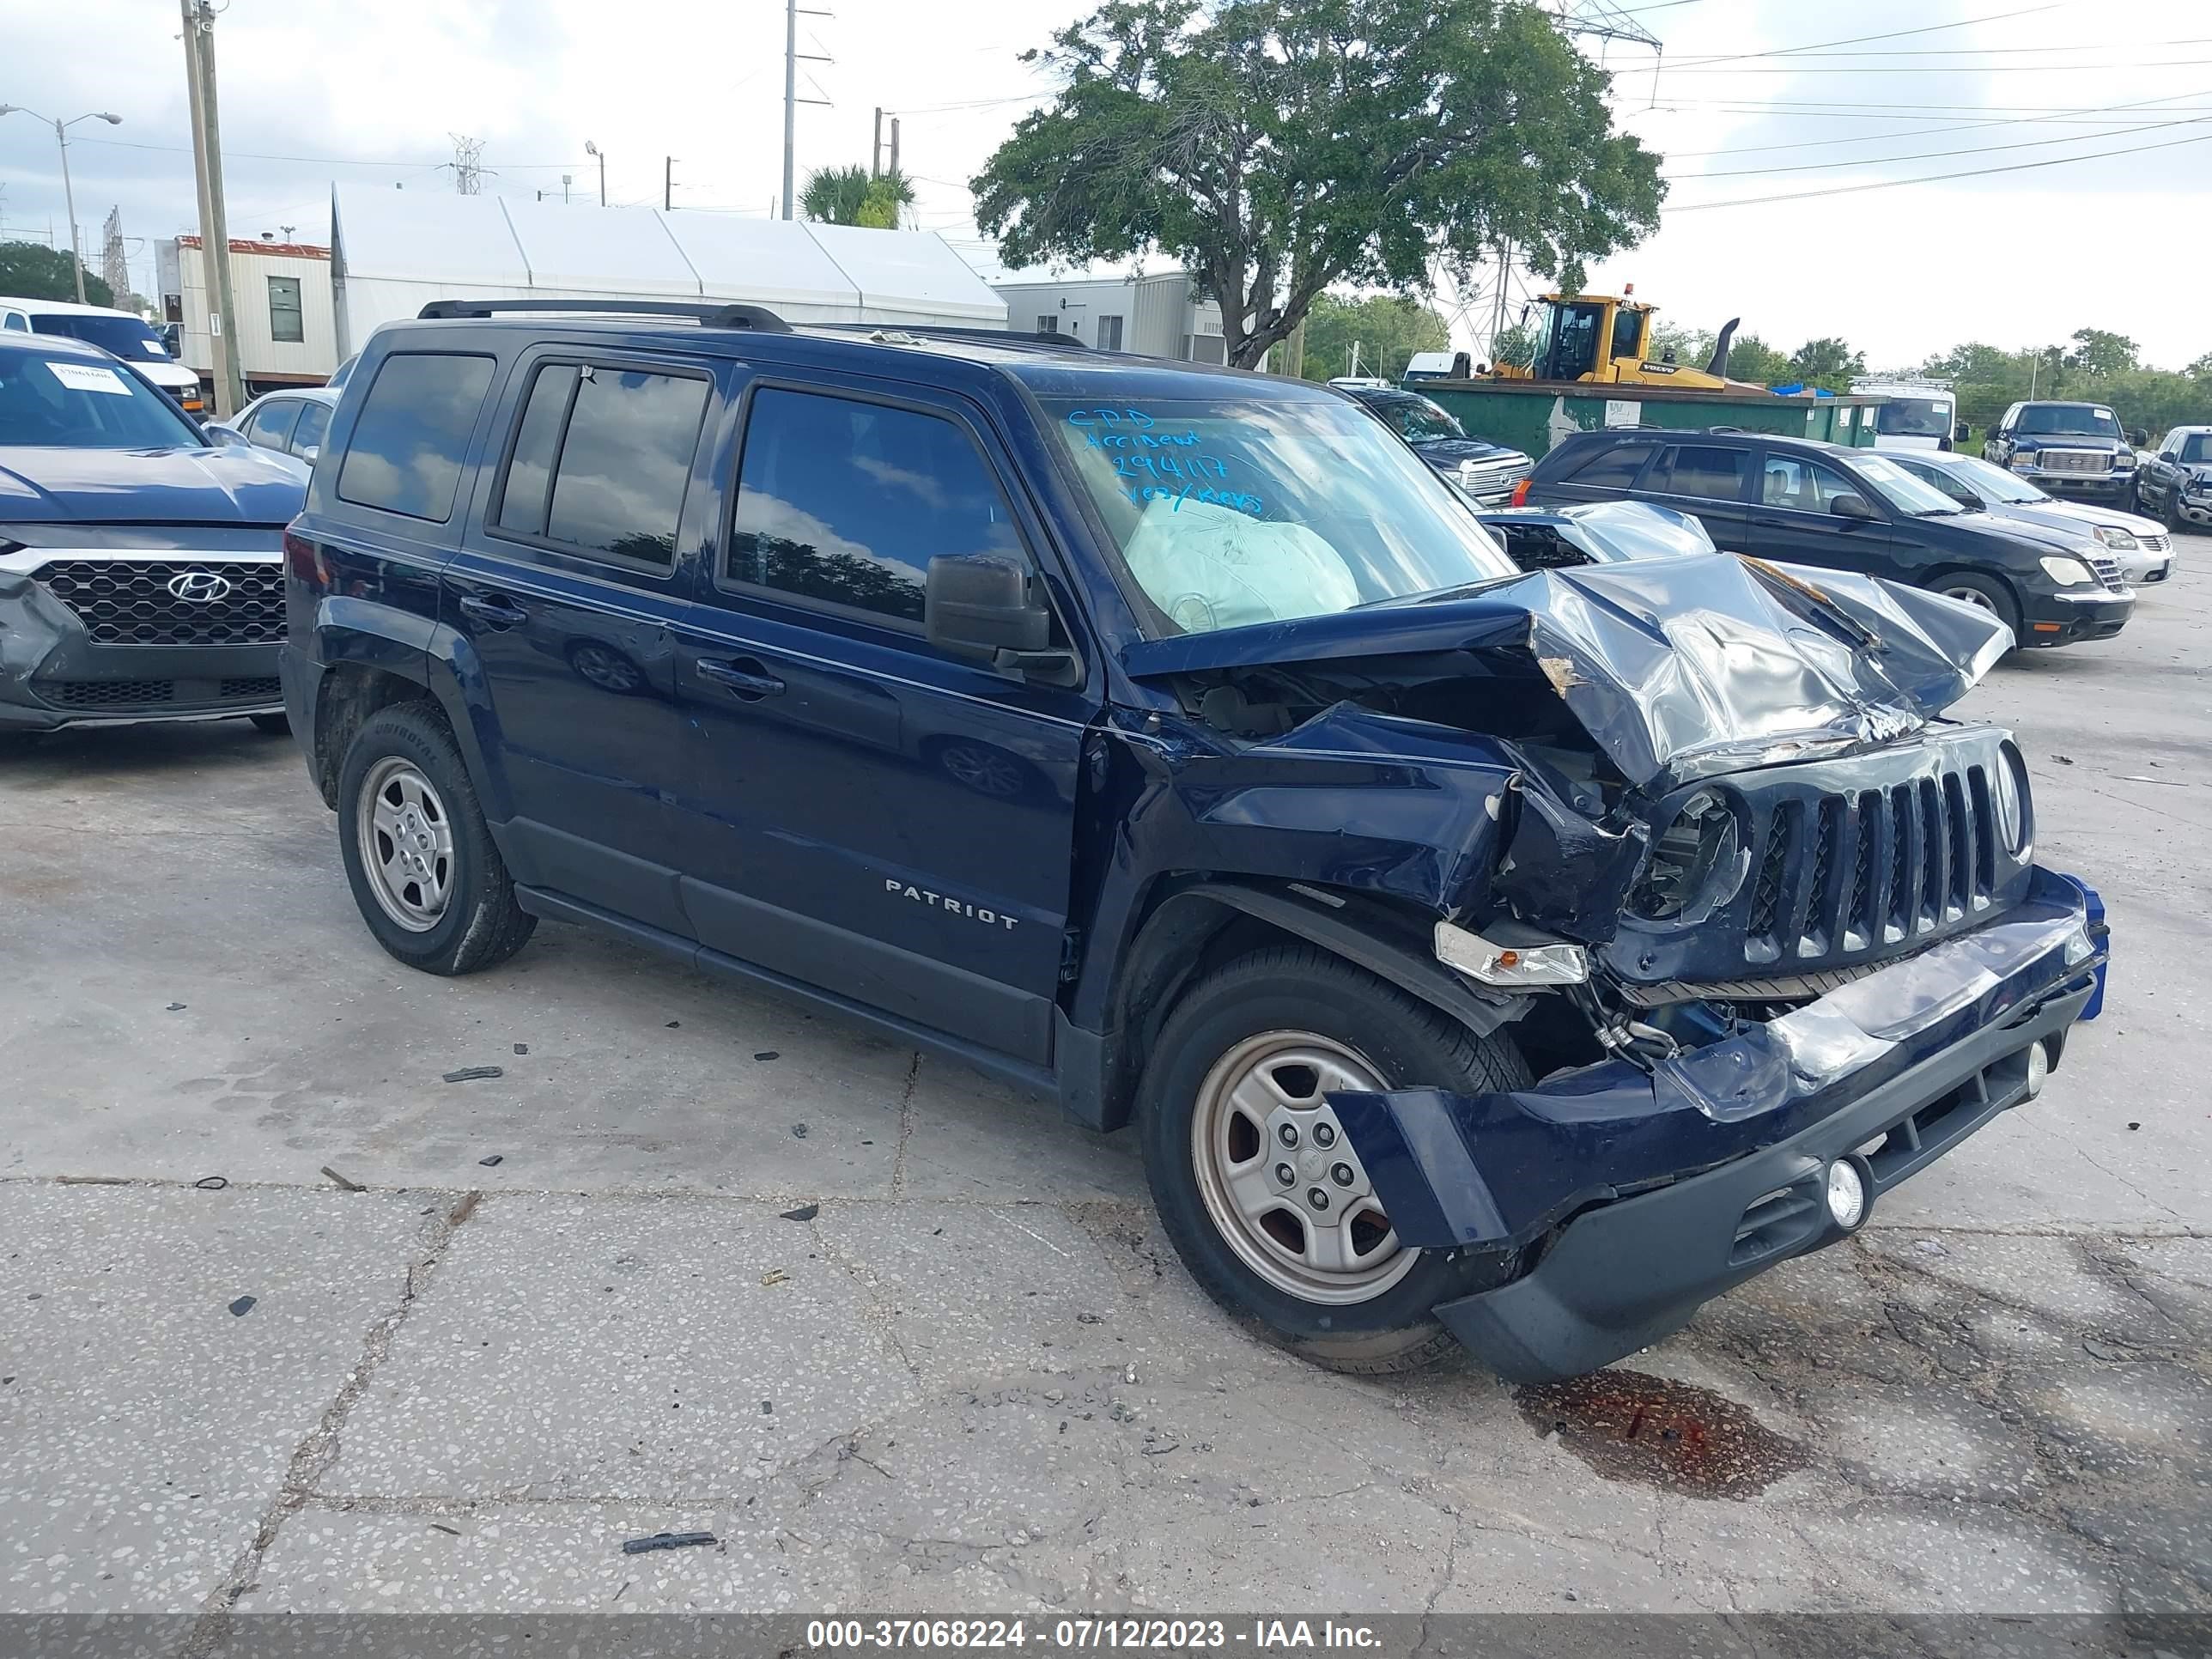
{"points": [[349, 693], [1199, 924]]}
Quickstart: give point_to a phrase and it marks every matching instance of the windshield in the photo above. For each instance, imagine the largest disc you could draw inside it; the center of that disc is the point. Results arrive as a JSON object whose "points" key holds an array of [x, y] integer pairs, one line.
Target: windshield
{"points": [[1914, 417], [1900, 488], [2076, 420], [66, 402], [126, 336], [1232, 510], [1416, 419], [2196, 448], [1990, 482]]}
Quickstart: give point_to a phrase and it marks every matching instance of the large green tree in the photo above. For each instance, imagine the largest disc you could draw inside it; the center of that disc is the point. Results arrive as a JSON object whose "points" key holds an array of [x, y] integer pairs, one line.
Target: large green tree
{"points": [[1752, 359], [1278, 148], [1388, 328], [2099, 351], [1827, 362], [32, 271]]}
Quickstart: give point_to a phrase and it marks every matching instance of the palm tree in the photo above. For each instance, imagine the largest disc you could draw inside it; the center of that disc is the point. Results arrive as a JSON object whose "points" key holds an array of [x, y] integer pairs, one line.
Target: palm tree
{"points": [[847, 195], [835, 196]]}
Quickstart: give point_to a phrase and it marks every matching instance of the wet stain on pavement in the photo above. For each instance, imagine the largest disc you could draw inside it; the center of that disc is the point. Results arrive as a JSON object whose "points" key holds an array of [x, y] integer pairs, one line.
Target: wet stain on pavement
{"points": [[1674, 1435]]}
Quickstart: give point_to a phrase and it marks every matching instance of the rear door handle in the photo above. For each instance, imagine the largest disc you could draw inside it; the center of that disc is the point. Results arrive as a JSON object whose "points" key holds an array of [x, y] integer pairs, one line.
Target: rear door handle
{"points": [[1772, 524], [500, 613], [746, 677]]}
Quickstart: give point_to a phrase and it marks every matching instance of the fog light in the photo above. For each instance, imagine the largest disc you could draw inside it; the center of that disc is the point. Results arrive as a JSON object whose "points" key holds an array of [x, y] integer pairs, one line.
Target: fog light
{"points": [[2038, 1067], [1847, 1194]]}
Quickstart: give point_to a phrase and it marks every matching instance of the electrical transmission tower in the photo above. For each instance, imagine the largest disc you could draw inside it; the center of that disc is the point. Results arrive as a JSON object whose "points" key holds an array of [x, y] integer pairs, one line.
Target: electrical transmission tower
{"points": [[114, 267], [1605, 21], [468, 165]]}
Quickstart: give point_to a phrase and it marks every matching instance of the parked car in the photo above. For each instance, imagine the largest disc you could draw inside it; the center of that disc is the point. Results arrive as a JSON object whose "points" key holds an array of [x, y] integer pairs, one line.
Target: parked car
{"points": [[1913, 414], [1847, 509], [2176, 482], [1594, 532], [1522, 958], [1483, 471], [123, 333], [141, 572], [2139, 546], [290, 422], [2076, 451]]}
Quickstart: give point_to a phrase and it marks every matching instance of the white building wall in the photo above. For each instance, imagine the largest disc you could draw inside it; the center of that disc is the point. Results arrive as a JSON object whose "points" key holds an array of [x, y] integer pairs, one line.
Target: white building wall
{"points": [[261, 356], [1159, 316]]}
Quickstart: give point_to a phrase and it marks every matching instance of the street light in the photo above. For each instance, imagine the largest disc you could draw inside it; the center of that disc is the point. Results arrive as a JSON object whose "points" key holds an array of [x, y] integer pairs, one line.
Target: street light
{"points": [[69, 196], [591, 148]]}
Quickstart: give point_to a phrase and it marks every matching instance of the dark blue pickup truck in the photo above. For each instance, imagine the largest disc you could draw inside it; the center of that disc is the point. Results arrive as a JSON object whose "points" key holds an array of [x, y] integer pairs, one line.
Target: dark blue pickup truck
{"points": [[1516, 958]]}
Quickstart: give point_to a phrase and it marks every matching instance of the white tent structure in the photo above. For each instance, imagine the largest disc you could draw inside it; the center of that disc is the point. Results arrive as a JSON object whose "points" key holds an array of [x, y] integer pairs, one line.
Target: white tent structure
{"points": [[392, 252]]}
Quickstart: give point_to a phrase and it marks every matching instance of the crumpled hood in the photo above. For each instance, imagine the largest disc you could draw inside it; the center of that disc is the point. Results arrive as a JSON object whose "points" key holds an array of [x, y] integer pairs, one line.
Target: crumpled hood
{"points": [[231, 485], [1678, 668]]}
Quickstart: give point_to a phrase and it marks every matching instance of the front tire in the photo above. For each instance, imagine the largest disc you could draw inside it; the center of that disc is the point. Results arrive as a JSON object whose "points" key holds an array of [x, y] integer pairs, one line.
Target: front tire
{"points": [[1985, 593], [1249, 1053], [425, 872]]}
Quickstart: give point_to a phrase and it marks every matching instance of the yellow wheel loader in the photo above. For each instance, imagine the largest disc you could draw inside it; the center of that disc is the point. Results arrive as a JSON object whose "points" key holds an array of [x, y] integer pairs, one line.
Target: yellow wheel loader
{"points": [[1594, 337]]}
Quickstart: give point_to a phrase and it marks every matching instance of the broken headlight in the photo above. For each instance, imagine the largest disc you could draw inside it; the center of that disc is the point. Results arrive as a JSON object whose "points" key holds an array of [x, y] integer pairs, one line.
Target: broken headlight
{"points": [[1696, 863]]}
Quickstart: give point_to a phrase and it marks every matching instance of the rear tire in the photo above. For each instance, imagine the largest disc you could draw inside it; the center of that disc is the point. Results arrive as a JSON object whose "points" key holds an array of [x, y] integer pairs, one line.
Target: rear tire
{"points": [[1315, 1018], [425, 872], [1984, 592]]}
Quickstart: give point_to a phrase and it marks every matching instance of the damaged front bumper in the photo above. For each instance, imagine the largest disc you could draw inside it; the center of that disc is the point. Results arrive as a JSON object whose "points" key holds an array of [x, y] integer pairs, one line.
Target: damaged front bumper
{"points": [[1643, 1191]]}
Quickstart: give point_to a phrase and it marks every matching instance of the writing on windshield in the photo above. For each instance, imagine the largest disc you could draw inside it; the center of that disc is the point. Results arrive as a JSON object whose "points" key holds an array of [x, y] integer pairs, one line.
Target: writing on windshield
{"points": [[1157, 465]]}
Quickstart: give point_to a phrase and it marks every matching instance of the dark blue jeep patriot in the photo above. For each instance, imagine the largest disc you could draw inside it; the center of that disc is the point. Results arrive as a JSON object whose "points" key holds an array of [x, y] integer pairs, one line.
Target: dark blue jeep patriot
{"points": [[1521, 959]]}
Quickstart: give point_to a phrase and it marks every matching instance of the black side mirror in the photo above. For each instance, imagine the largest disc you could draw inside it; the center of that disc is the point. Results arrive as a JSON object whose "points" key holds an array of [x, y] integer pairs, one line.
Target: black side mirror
{"points": [[1853, 507], [980, 608], [2137, 436], [1960, 432]]}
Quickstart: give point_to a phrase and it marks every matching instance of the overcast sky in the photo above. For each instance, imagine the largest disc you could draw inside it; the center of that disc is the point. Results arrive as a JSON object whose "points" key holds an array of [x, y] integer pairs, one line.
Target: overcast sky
{"points": [[317, 89]]}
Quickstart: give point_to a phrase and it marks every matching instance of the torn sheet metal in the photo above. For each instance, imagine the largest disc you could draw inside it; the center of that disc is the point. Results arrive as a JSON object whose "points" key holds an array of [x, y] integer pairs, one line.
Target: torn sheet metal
{"points": [[1485, 1170], [1677, 668]]}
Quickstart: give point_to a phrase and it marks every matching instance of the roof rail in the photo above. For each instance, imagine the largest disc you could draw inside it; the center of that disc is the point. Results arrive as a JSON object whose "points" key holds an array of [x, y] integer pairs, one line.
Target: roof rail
{"points": [[708, 314], [951, 332]]}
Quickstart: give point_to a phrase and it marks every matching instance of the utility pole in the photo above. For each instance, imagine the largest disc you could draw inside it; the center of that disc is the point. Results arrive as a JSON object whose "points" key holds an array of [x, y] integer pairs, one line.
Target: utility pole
{"points": [[895, 146], [468, 165], [667, 183], [876, 149], [214, 229], [593, 149], [792, 12]]}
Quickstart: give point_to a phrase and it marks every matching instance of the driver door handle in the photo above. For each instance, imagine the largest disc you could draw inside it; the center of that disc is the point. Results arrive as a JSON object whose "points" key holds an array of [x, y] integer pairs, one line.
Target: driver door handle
{"points": [[746, 677], [500, 613]]}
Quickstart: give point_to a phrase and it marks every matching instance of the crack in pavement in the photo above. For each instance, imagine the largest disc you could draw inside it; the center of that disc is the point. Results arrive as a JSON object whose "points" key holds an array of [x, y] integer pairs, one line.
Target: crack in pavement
{"points": [[318, 1449]]}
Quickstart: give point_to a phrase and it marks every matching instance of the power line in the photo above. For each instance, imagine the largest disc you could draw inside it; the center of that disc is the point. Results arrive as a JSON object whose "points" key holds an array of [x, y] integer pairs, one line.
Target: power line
{"points": [[1938, 178], [1936, 155], [1947, 69], [2002, 51], [1893, 34], [1959, 125]]}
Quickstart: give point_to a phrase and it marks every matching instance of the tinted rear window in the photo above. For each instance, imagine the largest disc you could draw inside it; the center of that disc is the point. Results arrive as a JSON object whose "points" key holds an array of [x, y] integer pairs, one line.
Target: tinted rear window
{"points": [[601, 460], [412, 434], [1611, 469]]}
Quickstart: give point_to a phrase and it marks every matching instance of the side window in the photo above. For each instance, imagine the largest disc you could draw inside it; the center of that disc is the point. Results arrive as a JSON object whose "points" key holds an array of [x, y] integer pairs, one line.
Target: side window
{"points": [[2011, 416], [1807, 486], [2171, 449], [272, 422], [601, 458], [1050, 323], [285, 323], [1627, 328], [314, 421], [1612, 469], [845, 503], [1109, 334], [16, 321], [412, 433], [1705, 471]]}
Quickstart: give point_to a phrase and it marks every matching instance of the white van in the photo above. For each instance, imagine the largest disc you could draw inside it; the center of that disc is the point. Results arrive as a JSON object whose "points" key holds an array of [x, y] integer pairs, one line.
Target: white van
{"points": [[1916, 414], [119, 333]]}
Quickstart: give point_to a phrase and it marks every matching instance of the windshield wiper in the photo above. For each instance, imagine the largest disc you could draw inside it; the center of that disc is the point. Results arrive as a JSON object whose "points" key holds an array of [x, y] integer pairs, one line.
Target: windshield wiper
{"points": [[1939, 512]]}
